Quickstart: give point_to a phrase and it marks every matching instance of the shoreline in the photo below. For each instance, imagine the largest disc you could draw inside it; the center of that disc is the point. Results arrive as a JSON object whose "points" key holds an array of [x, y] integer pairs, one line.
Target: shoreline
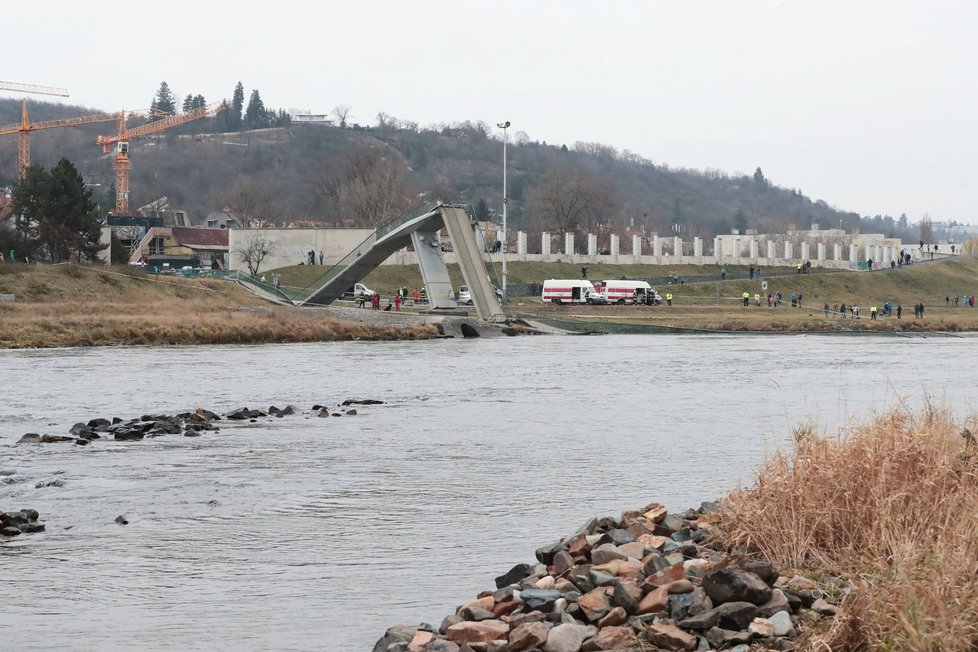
{"points": [[647, 580]]}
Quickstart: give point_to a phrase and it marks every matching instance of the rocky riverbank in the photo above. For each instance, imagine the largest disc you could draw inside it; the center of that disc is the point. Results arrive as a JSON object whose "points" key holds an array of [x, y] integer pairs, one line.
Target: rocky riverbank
{"points": [[648, 581]]}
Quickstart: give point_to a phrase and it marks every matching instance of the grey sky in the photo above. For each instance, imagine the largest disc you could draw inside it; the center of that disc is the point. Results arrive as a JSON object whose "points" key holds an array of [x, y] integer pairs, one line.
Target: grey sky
{"points": [[868, 105]]}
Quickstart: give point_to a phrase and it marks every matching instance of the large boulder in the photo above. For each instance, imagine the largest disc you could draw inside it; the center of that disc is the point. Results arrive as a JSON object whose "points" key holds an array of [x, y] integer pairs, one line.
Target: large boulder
{"points": [[735, 585], [481, 632], [403, 634], [513, 575], [528, 636], [568, 637], [670, 637]]}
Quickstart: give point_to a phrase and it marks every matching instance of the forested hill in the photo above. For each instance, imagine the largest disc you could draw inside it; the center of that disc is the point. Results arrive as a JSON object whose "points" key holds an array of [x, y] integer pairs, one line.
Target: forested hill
{"points": [[350, 175]]}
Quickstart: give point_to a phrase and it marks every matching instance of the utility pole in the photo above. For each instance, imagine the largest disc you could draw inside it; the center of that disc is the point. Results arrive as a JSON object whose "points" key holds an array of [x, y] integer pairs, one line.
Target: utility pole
{"points": [[504, 126]]}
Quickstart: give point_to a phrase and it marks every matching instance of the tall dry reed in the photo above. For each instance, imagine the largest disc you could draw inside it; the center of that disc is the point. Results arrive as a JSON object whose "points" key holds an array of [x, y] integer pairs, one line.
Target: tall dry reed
{"points": [[892, 505]]}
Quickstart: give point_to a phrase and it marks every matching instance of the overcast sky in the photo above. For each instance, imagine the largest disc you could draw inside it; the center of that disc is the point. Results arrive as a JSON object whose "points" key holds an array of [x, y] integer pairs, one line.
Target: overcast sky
{"points": [[871, 106]]}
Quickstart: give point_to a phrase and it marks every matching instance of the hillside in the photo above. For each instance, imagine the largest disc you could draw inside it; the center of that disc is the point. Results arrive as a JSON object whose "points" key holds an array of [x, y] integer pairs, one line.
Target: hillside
{"points": [[280, 168]]}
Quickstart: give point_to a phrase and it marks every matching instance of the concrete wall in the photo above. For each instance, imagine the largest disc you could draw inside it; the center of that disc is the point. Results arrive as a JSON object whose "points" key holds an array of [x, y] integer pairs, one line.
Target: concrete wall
{"points": [[292, 246]]}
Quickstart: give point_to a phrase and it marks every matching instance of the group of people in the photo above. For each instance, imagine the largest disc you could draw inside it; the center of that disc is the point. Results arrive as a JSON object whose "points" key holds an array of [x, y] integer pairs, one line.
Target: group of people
{"points": [[311, 258], [394, 303], [964, 300], [775, 299], [888, 310]]}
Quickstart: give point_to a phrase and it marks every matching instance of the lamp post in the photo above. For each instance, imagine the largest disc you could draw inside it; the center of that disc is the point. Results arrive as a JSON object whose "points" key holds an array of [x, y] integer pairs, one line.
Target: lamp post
{"points": [[504, 126]]}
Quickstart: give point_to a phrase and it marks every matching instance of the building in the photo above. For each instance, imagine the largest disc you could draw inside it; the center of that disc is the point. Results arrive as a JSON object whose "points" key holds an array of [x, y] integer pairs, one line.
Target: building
{"points": [[221, 219], [178, 247]]}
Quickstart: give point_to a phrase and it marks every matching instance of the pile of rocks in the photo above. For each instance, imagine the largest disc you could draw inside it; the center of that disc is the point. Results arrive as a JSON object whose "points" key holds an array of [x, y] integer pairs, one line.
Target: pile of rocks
{"points": [[190, 424], [649, 581], [14, 523]]}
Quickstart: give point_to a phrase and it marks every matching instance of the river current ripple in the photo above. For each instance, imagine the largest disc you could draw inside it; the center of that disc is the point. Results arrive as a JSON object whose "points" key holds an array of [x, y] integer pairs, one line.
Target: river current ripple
{"points": [[304, 533]]}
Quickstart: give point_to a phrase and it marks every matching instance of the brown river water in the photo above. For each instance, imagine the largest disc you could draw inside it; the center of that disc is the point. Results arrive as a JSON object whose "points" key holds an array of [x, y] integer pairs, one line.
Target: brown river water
{"points": [[304, 533]]}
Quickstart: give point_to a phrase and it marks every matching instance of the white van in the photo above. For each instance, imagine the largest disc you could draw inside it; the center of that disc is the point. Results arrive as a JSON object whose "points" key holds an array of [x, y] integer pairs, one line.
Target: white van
{"points": [[562, 291], [622, 292]]}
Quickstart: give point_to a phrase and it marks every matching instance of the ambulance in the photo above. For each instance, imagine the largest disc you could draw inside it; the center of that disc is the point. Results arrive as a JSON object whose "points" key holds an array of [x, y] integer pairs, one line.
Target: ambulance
{"points": [[622, 292], [561, 291]]}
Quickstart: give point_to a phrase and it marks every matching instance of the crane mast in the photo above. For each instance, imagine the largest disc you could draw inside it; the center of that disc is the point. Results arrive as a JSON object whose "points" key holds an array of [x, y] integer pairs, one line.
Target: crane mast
{"points": [[123, 165]]}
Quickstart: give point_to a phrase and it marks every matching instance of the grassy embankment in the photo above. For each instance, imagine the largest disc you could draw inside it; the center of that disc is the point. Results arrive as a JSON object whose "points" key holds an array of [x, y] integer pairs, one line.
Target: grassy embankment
{"points": [[80, 306], [696, 305], [890, 506]]}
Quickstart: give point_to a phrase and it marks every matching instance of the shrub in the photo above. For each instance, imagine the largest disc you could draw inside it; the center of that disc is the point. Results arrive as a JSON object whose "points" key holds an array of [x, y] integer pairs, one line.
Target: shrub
{"points": [[891, 506]]}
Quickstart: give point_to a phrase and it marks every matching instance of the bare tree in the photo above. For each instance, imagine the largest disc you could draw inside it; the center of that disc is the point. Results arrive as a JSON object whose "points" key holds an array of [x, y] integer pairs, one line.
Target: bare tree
{"points": [[365, 185], [252, 200], [254, 251], [568, 198], [926, 229], [342, 113]]}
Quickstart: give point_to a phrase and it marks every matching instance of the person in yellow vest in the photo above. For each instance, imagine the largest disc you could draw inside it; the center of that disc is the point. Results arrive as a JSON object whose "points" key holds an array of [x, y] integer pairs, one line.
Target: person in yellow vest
{"points": [[799, 268], [746, 296], [872, 313], [668, 298]]}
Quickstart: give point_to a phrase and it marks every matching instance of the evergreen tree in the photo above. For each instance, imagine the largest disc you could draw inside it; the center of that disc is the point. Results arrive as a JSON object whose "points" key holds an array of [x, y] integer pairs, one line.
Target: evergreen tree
{"points": [[237, 106], [198, 102], [255, 115], [740, 221], [164, 101], [188, 102], [482, 210], [59, 219], [760, 179]]}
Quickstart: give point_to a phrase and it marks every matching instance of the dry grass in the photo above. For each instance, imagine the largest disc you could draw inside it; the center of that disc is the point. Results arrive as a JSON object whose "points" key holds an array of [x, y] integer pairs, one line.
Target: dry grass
{"points": [[77, 306], [891, 506]]}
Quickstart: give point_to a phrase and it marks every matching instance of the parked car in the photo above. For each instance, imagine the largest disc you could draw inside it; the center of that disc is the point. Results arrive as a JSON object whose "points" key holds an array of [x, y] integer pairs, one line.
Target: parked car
{"points": [[358, 288], [465, 296]]}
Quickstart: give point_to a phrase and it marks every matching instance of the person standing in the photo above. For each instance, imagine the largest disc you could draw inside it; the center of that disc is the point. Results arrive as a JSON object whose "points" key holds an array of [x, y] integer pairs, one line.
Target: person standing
{"points": [[397, 301], [746, 296], [322, 256], [899, 311], [415, 296], [825, 309], [668, 298], [584, 272], [872, 313]]}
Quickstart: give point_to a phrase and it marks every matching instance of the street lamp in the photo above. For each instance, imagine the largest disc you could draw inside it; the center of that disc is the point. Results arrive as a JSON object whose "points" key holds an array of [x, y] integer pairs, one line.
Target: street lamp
{"points": [[504, 126]]}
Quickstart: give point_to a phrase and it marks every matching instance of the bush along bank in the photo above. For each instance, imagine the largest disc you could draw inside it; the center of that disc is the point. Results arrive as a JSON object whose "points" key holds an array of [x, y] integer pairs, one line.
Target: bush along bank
{"points": [[647, 581]]}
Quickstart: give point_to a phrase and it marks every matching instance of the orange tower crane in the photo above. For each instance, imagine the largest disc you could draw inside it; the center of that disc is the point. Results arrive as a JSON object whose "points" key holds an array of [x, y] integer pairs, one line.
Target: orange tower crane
{"points": [[25, 127], [121, 142]]}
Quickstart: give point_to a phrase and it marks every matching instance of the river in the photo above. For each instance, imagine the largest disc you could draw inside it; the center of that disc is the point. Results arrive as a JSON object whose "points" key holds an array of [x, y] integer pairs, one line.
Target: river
{"points": [[305, 533]]}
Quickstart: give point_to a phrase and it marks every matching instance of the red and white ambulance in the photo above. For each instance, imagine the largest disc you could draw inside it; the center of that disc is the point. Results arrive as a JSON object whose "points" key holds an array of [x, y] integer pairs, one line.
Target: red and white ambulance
{"points": [[561, 291], [622, 292]]}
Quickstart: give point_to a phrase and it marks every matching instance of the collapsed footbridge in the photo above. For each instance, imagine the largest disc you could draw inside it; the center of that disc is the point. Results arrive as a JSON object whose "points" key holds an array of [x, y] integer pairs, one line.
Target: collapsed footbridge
{"points": [[418, 227]]}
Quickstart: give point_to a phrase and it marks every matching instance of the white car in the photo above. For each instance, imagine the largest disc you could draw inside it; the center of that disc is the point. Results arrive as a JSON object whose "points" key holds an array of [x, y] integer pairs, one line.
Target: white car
{"points": [[465, 296], [357, 289]]}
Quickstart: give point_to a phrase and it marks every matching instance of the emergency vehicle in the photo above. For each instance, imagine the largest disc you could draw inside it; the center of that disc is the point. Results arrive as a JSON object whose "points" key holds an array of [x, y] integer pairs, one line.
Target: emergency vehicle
{"points": [[622, 292], [562, 291]]}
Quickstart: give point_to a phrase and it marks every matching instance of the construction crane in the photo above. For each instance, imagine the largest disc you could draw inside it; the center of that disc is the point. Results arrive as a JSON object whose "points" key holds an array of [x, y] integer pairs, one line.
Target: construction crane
{"points": [[28, 88], [25, 127], [121, 142]]}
